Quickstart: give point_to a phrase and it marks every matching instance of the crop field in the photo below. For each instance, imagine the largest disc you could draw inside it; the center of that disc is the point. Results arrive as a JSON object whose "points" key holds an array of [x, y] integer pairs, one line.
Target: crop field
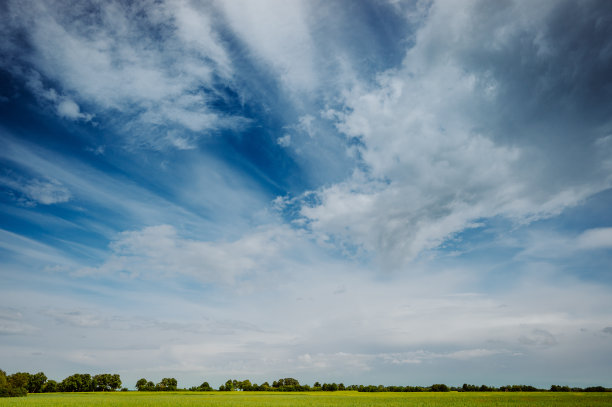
{"points": [[318, 399]]}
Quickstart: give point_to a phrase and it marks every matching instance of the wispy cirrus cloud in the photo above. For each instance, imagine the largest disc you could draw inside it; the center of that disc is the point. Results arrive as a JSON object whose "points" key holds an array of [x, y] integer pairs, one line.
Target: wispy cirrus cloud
{"points": [[278, 34], [33, 191], [110, 60]]}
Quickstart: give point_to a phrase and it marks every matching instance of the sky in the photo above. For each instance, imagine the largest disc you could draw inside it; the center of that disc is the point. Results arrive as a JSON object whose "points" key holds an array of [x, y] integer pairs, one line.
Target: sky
{"points": [[372, 192]]}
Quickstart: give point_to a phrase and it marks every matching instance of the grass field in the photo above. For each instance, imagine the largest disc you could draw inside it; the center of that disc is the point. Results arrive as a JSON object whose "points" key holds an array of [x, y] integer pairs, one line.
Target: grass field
{"points": [[318, 399]]}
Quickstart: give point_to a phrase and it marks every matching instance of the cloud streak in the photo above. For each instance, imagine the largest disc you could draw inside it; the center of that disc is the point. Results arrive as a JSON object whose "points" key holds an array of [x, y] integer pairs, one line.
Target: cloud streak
{"points": [[172, 82]]}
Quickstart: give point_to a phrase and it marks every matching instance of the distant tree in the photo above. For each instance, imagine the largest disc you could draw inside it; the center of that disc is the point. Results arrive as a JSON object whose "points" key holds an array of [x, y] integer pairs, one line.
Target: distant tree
{"points": [[204, 387], [518, 387], [245, 385], [115, 382], [469, 387], [50, 386], [287, 384], [290, 381], [76, 383], [19, 380], [37, 382], [141, 384], [144, 385], [439, 387], [230, 385], [106, 382], [8, 390], [329, 387], [166, 384], [596, 389]]}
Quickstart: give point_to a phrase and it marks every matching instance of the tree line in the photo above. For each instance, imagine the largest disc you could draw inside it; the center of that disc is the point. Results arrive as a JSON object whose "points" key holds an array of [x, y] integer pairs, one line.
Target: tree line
{"points": [[166, 384], [474, 388], [22, 383]]}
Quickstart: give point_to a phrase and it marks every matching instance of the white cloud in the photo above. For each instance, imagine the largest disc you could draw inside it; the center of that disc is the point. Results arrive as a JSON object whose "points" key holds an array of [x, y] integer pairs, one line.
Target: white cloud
{"points": [[284, 141], [547, 245], [374, 330], [278, 34], [433, 148], [34, 191], [114, 64], [292, 322], [63, 105], [69, 109], [159, 251], [599, 238], [195, 29], [46, 192]]}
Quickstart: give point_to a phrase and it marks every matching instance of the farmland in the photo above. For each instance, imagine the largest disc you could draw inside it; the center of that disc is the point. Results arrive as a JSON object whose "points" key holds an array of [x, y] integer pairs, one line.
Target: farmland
{"points": [[310, 399]]}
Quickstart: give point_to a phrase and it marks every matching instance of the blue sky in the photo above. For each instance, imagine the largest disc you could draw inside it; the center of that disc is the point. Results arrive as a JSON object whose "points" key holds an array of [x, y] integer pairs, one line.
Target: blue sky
{"points": [[361, 192]]}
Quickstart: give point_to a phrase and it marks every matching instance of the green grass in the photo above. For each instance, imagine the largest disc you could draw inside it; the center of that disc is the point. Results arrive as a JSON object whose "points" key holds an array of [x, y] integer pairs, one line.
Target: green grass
{"points": [[314, 399]]}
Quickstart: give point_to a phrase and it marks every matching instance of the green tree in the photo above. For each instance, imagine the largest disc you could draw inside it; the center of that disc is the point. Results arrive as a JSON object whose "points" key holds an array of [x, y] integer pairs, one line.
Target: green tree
{"points": [[167, 384], [115, 382], [439, 387], [19, 380], [37, 382], [50, 386], [231, 385], [106, 382], [244, 385], [144, 385], [76, 383], [329, 387], [141, 384], [205, 387], [7, 389]]}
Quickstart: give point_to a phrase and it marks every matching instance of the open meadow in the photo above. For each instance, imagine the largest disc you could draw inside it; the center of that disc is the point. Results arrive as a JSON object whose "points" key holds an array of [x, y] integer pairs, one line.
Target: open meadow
{"points": [[310, 399]]}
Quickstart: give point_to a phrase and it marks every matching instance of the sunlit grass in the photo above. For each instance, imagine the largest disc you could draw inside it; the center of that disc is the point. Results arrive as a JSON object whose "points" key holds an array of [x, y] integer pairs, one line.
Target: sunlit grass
{"points": [[315, 399]]}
